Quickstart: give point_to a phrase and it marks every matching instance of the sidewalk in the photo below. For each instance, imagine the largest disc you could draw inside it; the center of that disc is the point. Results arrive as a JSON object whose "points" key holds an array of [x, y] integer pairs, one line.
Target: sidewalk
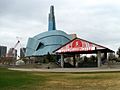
{"points": [[68, 69]]}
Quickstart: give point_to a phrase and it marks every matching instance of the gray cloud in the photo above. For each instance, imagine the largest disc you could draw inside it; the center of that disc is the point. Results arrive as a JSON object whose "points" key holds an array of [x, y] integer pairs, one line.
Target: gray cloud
{"points": [[97, 21]]}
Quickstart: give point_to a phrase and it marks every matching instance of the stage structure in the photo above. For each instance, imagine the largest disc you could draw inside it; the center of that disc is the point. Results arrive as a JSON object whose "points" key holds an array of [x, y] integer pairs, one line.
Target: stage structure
{"points": [[81, 46]]}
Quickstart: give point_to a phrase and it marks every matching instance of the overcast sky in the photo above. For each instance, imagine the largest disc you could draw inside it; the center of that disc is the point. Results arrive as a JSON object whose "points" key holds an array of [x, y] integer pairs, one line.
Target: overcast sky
{"points": [[94, 20]]}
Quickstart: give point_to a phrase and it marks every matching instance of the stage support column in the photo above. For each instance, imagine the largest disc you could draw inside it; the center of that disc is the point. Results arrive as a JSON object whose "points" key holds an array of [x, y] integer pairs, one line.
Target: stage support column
{"points": [[74, 61], [108, 61], [105, 55], [99, 58], [62, 61]]}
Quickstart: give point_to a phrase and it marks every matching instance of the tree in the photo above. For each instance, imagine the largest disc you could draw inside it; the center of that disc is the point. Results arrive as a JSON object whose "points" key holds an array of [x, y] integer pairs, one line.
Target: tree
{"points": [[118, 52], [51, 58], [85, 59], [111, 57], [93, 58]]}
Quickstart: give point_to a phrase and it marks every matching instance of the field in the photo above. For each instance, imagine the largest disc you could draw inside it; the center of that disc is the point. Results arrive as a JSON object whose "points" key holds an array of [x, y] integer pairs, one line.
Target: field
{"points": [[18, 80]]}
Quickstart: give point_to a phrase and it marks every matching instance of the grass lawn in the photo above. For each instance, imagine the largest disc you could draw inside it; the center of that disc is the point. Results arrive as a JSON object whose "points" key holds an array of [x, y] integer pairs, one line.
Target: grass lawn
{"points": [[18, 80]]}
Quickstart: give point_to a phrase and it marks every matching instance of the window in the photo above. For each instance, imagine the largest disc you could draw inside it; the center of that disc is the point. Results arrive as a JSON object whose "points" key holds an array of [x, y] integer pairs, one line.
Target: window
{"points": [[40, 45]]}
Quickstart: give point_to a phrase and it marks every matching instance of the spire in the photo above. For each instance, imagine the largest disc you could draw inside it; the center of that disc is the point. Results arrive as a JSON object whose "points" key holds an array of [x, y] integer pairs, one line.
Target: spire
{"points": [[51, 20]]}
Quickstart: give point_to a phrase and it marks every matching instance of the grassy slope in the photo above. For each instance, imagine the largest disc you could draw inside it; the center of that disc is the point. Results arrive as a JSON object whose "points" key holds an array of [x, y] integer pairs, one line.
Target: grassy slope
{"points": [[15, 80], [83, 81]]}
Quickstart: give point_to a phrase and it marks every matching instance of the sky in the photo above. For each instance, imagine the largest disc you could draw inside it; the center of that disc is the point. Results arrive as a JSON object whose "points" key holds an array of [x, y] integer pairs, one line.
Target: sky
{"points": [[97, 21]]}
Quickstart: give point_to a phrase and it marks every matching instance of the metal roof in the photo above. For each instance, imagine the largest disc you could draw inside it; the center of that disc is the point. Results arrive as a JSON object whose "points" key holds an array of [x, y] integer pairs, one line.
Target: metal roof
{"points": [[82, 46]]}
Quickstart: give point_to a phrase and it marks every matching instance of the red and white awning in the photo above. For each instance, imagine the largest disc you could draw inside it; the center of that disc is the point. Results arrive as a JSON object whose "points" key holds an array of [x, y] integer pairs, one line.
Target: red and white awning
{"points": [[80, 45]]}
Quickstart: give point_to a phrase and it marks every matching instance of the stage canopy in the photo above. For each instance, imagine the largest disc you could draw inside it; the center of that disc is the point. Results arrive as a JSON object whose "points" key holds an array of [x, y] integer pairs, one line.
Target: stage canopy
{"points": [[82, 46]]}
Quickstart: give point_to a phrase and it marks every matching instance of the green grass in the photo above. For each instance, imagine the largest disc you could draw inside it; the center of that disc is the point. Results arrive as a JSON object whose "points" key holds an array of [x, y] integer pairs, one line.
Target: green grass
{"points": [[17, 80]]}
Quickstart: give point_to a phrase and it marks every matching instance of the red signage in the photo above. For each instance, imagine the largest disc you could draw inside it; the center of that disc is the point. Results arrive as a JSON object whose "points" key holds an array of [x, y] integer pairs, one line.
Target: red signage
{"points": [[78, 45]]}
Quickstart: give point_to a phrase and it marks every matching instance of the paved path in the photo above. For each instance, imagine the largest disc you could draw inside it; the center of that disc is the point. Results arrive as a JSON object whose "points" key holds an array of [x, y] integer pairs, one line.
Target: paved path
{"points": [[68, 69]]}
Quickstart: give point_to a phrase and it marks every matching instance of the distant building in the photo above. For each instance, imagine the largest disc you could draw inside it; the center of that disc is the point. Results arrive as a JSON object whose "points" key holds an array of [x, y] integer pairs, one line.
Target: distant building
{"points": [[3, 51], [48, 41], [22, 52], [12, 53], [73, 36]]}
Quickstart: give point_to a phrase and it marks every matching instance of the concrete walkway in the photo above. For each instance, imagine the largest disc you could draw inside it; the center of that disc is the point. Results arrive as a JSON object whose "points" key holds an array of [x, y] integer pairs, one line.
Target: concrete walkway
{"points": [[68, 69]]}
